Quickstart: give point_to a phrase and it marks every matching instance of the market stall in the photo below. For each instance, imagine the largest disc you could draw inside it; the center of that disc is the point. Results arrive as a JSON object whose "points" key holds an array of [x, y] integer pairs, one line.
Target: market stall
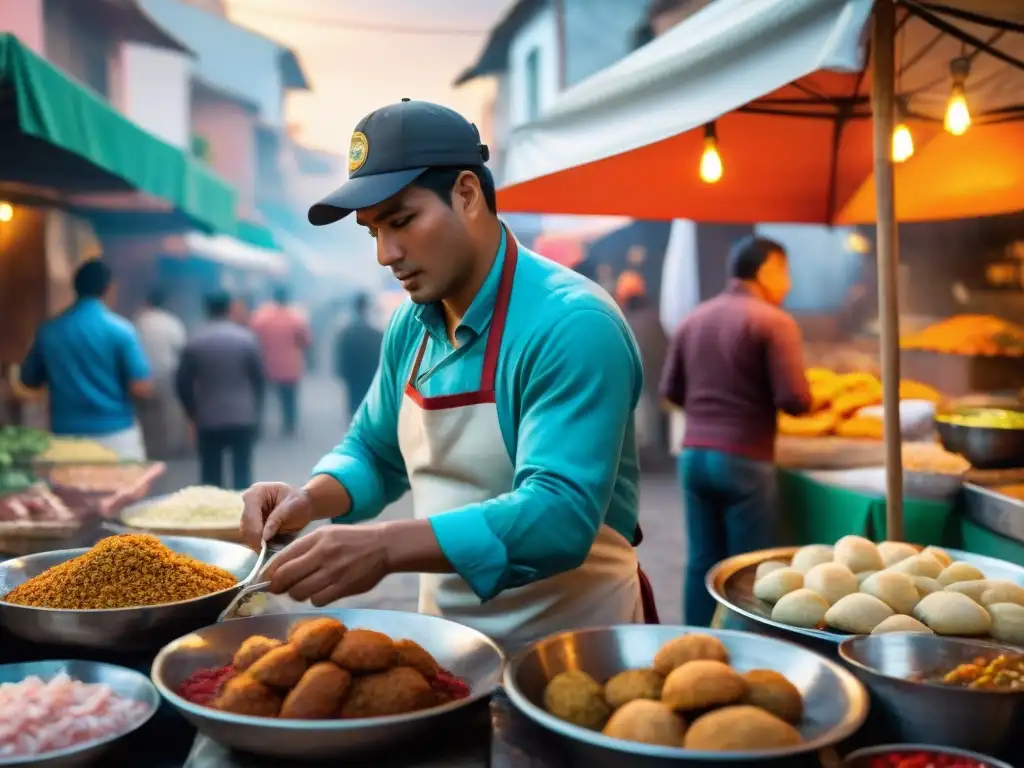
{"points": [[919, 124]]}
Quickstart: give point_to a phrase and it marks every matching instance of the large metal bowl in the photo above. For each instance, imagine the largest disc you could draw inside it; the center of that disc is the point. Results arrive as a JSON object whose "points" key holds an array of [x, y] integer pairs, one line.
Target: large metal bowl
{"points": [[984, 447], [731, 583], [912, 711], [835, 703], [464, 652], [124, 682], [123, 628]]}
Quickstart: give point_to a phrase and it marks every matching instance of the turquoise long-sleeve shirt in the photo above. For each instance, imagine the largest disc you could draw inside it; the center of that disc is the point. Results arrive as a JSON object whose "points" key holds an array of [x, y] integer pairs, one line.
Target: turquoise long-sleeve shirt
{"points": [[568, 379]]}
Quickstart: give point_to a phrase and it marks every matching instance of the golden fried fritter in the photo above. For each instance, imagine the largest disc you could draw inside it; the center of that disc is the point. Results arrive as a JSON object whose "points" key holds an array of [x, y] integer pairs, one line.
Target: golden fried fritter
{"points": [[394, 692], [363, 650], [282, 667], [649, 722], [576, 697], [314, 639], [414, 655], [773, 693], [701, 684], [740, 729], [631, 685], [319, 693], [242, 695], [691, 647], [252, 650]]}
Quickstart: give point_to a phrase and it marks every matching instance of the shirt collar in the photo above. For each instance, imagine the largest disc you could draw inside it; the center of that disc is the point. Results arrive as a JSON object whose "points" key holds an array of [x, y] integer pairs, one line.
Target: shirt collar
{"points": [[739, 288], [478, 316]]}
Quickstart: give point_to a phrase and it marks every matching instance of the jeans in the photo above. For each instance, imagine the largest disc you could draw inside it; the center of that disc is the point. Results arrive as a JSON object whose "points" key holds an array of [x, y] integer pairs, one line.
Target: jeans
{"points": [[214, 443], [288, 394], [731, 509]]}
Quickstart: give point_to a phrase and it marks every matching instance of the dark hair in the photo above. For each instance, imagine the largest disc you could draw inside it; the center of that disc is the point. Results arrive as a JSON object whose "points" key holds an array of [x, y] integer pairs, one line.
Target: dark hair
{"points": [[218, 304], [92, 280], [281, 294], [156, 297], [361, 303], [749, 254], [441, 181]]}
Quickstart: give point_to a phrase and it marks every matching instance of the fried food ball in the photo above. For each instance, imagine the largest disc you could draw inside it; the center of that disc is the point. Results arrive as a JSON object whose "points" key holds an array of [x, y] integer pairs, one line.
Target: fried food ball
{"points": [[691, 647], [242, 695], [740, 729], [701, 684], [773, 693], [314, 639], [411, 654], [252, 650], [319, 693], [282, 667], [576, 697], [631, 685], [648, 722], [363, 650], [394, 692]]}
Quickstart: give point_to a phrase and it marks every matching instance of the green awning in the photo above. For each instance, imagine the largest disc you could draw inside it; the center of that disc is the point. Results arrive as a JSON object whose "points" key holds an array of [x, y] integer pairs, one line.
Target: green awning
{"points": [[60, 135], [257, 234]]}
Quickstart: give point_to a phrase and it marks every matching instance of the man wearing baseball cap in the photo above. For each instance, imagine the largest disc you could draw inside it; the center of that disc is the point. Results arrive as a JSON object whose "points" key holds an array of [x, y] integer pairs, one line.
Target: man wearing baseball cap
{"points": [[504, 402]]}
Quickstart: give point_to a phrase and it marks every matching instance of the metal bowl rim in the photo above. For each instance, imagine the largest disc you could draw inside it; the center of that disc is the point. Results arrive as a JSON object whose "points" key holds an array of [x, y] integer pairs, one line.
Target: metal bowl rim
{"points": [[738, 562], [153, 702], [847, 657], [855, 716], [4, 605], [882, 749], [348, 724]]}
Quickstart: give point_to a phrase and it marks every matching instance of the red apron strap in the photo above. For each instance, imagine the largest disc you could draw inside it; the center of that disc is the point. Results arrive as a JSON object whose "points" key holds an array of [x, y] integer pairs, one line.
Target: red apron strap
{"points": [[500, 313]]}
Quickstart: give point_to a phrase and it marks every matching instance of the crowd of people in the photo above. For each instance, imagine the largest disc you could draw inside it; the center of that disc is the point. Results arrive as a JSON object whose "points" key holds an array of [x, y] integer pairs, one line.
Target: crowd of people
{"points": [[149, 386]]}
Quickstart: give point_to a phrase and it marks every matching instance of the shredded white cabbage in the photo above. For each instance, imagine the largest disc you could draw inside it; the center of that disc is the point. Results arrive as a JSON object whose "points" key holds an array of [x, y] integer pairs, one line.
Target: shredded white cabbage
{"points": [[198, 506]]}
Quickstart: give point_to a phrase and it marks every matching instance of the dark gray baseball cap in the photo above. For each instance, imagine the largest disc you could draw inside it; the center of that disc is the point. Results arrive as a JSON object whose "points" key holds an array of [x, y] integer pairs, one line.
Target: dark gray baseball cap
{"points": [[395, 145]]}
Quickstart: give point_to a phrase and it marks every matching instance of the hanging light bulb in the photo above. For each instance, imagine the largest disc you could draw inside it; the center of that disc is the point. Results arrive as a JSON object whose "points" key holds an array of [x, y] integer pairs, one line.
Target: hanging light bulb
{"points": [[710, 160], [902, 144], [958, 116], [6, 212]]}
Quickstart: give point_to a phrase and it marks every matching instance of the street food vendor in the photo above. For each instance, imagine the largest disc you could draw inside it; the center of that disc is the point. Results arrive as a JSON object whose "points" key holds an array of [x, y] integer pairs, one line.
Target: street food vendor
{"points": [[733, 364], [504, 401]]}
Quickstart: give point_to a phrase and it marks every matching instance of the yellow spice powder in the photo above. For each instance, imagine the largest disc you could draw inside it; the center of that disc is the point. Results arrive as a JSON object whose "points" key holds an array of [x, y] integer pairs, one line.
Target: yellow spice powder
{"points": [[122, 572]]}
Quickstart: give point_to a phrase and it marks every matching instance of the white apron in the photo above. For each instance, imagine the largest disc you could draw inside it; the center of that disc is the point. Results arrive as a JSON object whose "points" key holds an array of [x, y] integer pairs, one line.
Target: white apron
{"points": [[455, 455]]}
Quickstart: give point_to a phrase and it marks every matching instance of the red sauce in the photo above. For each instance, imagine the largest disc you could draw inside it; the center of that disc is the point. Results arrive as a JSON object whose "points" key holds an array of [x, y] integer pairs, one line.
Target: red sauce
{"points": [[449, 687], [202, 687], [924, 760]]}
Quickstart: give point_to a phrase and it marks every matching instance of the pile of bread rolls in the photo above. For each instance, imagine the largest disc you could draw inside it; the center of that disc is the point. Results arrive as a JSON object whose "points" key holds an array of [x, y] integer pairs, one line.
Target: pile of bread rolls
{"points": [[858, 587]]}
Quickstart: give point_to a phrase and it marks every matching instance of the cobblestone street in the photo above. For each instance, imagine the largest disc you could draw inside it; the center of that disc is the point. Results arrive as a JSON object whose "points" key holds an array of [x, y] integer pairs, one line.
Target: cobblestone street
{"points": [[323, 422]]}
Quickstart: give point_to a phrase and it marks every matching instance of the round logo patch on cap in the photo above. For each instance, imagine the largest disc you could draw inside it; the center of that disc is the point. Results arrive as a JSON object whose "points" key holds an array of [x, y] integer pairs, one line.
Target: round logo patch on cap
{"points": [[357, 151]]}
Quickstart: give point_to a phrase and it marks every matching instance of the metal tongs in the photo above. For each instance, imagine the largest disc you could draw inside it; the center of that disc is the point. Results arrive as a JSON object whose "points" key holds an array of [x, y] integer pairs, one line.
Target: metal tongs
{"points": [[249, 583]]}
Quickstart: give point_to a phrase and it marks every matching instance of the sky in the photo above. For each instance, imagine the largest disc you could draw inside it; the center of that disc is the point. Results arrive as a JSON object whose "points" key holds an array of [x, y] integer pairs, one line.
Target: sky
{"points": [[361, 55]]}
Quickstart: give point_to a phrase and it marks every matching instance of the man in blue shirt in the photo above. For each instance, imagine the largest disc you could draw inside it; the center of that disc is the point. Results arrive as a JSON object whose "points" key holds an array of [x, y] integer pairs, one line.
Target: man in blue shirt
{"points": [[92, 364], [504, 402]]}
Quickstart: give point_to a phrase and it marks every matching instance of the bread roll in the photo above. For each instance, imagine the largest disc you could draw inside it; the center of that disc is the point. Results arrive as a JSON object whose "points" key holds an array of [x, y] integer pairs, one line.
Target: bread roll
{"points": [[896, 590], [894, 551], [961, 571], [926, 586], [1002, 592], [778, 583], [1007, 623], [973, 589], [801, 608], [919, 565], [953, 613], [900, 623], [830, 580], [858, 554], [767, 567], [811, 555], [864, 576], [857, 614], [940, 555]]}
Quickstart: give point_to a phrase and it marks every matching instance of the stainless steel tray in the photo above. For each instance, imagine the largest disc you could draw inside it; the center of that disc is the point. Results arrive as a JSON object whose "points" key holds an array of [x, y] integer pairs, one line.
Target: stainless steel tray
{"points": [[996, 511], [731, 583]]}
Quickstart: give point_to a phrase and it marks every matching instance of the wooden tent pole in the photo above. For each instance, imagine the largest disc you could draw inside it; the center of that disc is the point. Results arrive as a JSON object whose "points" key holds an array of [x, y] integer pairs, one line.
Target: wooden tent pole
{"points": [[883, 77]]}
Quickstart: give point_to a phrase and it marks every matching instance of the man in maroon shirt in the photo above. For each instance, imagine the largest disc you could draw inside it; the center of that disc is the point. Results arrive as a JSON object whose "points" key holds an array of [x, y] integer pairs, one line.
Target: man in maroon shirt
{"points": [[734, 362]]}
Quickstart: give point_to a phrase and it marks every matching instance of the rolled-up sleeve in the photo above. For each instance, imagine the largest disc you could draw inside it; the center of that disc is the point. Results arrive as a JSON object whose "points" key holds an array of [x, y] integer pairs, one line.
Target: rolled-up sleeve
{"points": [[580, 385], [368, 462]]}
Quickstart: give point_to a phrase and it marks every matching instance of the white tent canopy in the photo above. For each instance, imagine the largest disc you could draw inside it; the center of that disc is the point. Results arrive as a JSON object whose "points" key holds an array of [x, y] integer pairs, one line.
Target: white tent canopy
{"points": [[232, 252], [728, 54]]}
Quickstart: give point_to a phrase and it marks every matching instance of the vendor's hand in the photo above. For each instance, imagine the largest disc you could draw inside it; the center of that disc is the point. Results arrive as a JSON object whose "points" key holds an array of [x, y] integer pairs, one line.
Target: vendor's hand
{"points": [[330, 563], [273, 508]]}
